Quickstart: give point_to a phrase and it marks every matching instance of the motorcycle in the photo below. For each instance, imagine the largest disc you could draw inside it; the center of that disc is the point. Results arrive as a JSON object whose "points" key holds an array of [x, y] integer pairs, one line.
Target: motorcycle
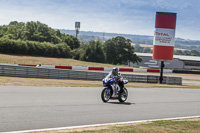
{"points": [[112, 90]]}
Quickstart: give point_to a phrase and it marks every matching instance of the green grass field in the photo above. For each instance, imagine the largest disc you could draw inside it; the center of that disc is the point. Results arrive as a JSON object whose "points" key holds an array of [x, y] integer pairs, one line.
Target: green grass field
{"points": [[34, 60]]}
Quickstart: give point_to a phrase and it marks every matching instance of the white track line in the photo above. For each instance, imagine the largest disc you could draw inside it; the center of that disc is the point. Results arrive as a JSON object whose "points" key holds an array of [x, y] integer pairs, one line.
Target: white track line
{"points": [[106, 124]]}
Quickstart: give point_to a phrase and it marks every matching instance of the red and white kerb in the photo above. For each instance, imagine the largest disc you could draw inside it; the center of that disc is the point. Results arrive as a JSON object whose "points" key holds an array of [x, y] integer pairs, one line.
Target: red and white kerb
{"points": [[164, 36]]}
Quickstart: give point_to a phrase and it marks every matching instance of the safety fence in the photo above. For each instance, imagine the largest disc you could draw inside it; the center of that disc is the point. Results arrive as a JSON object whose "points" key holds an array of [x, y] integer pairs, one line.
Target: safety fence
{"points": [[49, 73], [100, 68]]}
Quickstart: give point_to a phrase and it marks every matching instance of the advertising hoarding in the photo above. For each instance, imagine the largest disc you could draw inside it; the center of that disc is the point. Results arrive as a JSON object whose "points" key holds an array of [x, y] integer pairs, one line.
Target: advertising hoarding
{"points": [[164, 36]]}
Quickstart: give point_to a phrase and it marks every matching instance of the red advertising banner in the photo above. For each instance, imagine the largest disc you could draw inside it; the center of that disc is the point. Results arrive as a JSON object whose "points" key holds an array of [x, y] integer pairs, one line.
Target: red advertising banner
{"points": [[164, 36]]}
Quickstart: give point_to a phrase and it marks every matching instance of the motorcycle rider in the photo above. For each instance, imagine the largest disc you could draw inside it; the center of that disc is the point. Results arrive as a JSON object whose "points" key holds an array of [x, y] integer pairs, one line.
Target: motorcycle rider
{"points": [[115, 73]]}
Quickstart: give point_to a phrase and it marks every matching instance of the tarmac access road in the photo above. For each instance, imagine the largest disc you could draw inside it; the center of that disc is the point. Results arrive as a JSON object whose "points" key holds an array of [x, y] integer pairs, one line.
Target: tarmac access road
{"points": [[193, 82], [29, 108]]}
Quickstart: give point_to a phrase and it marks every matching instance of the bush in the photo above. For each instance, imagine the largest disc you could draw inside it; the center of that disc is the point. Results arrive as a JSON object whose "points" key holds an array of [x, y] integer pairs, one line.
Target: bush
{"points": [[9, 46]]}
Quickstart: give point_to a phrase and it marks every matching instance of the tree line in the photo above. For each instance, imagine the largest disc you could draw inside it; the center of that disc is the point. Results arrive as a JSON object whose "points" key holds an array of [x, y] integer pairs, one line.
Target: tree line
{"points": [[187, 52], [138, 48], [36, 31], [37, 39]]}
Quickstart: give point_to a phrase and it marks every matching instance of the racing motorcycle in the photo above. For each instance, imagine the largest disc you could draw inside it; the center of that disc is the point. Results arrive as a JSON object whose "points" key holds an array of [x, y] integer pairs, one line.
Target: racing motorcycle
{"points": [[112, 90]]}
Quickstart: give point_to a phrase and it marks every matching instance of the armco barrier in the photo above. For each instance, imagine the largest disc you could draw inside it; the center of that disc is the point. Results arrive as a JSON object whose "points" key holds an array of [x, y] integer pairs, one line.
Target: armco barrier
{"points": [[187, 71], [37, 72], [101, 68]]}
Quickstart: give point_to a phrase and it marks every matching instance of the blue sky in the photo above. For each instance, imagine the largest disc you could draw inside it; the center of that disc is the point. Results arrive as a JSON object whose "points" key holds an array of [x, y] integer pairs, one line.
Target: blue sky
{"points": [[114, 16]]}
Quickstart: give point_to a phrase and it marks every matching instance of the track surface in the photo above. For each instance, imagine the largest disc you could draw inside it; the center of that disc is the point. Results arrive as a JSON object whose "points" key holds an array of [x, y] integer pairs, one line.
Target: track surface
{"points": [[28, 108], [193, 82]]}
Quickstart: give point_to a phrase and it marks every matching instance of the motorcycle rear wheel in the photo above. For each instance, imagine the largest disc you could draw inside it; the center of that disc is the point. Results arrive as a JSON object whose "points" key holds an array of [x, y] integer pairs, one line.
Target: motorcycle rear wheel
{"points": [[105, 96]]}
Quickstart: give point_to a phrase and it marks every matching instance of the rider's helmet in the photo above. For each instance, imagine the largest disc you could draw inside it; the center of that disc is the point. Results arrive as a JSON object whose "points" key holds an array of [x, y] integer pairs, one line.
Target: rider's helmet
{"points": [[115, 71]]}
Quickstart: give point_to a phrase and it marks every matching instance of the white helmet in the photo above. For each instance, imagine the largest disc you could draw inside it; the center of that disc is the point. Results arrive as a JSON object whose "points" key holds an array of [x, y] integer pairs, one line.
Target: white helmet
{"points": [[115, 71]]}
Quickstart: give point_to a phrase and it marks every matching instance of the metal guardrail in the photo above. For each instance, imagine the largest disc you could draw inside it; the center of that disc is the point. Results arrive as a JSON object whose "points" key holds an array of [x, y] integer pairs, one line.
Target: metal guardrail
{"points": [[36, 72]]}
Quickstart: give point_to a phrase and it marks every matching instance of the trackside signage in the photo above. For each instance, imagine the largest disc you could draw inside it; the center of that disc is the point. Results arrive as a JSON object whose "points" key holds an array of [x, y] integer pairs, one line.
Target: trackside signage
{"points": [[164, 36]]}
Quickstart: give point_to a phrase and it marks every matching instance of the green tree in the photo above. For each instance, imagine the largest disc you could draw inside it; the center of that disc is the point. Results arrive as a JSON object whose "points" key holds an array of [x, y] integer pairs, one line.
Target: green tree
{"points": [[175, 52], [93, 52], [118, 50], [13, 23], [146, 50], [76, 53], [72, 41]]}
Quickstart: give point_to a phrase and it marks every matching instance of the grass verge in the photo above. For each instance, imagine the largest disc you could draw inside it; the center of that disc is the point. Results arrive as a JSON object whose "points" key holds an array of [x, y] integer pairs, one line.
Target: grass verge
{"points": [[166, 126], [34, 60], [16, 81]]}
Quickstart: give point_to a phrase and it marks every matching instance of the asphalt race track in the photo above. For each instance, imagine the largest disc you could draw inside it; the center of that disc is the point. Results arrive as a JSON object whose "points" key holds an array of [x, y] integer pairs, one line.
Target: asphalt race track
{"points": [[29, 108]]}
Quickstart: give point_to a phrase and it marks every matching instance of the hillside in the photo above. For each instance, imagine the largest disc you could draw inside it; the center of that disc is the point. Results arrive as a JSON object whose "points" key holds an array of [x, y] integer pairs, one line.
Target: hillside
{"points": [[138, 39], [90, 35]]}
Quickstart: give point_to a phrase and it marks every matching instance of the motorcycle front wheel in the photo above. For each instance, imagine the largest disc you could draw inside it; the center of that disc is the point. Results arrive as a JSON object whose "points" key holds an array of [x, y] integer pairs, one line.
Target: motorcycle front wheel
{"points": [[123, 95], [105, 95]]}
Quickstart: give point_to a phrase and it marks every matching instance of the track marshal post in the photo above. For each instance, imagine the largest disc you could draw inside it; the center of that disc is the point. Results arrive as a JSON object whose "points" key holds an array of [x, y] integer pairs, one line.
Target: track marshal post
{"points": [[164, 38]]}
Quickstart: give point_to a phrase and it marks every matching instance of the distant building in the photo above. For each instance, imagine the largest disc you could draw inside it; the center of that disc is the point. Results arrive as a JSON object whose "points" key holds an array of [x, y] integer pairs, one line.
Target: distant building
{"points": [[179, 62]]}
